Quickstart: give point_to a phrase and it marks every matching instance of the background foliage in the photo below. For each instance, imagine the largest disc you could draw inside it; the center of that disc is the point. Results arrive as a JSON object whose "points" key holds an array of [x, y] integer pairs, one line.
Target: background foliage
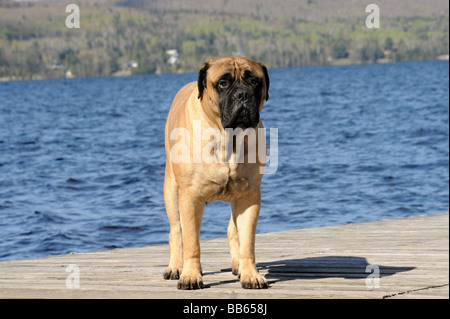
{"points": [[35, 43]]}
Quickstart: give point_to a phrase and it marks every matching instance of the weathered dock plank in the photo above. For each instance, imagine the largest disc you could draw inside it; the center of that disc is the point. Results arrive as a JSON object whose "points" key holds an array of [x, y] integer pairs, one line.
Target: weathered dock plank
{"points": [[398, 258]]}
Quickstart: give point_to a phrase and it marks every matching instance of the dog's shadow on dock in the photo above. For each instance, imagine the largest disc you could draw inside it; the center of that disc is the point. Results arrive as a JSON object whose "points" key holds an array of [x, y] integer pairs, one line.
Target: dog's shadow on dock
{"points": [[347, 267]]}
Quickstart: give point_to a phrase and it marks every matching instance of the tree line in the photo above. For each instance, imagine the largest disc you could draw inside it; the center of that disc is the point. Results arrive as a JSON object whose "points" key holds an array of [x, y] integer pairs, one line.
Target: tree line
{"points": [[120, 38]]}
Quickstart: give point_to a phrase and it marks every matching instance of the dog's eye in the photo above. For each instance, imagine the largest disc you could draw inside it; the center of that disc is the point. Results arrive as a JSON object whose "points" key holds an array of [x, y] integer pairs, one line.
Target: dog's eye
{"points": [[223, 84], [253, 82]]}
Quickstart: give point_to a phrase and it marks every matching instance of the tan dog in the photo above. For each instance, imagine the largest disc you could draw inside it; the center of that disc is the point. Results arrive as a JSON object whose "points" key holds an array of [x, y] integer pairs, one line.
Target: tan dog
{"points": [[229, 95]]}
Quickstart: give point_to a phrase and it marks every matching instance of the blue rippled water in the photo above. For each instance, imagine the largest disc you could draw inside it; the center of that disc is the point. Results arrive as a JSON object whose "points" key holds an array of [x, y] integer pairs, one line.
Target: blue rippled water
{"points": [[82, 160]]}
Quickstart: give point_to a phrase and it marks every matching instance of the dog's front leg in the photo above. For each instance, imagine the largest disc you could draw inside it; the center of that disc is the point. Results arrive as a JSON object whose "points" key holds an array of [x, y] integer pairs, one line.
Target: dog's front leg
{"points": [[191, 213], [246, 211]]}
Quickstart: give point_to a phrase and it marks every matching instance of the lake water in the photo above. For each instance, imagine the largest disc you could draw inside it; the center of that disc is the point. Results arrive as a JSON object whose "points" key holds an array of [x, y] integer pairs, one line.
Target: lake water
{"points": [[82, 160]]}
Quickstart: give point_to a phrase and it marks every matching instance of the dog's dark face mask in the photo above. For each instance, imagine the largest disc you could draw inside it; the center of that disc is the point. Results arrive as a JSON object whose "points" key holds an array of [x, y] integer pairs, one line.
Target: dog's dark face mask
{"points": [[239, 98]]}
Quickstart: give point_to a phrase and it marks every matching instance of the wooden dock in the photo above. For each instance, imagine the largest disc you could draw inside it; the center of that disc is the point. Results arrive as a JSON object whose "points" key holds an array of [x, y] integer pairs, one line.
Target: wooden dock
{"points": [[397, 258]]}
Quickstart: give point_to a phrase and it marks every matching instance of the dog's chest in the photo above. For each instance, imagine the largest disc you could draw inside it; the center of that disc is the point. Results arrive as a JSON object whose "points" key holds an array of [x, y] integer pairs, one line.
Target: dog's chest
{"points": [[228, 183]]}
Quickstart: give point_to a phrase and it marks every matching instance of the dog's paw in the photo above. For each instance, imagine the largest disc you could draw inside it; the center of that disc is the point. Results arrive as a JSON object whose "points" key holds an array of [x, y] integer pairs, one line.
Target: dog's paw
{"points": [[172, 273], [190, 282], [235, 270], [254, 282]]}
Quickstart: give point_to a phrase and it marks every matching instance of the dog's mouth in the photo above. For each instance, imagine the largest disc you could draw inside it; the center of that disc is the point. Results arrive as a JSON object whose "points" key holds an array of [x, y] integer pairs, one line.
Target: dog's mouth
{"points": [[243, 118], [239, 107], [242, 114]]}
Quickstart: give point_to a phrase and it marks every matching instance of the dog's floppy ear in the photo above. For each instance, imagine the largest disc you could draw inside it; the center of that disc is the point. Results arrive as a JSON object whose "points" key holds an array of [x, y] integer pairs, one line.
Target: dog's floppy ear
{"points": [[202, 79], [266, 75]]}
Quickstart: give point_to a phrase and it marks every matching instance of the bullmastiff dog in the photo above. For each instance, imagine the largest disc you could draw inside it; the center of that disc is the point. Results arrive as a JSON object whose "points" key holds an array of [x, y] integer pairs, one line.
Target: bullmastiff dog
{"points": [[228, 96]]}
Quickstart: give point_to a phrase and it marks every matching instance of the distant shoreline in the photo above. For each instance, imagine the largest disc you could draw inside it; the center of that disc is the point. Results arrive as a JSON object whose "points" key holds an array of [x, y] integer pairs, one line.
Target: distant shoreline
{"points": [[444, 57], [120, 38]]}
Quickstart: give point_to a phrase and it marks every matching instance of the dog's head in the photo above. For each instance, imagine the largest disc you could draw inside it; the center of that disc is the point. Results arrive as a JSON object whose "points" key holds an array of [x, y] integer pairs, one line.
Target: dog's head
{"points": [[235, 88]]}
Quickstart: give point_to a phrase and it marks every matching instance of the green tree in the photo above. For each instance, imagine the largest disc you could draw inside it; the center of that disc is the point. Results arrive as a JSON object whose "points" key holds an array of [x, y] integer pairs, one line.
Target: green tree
{"points": [[388, 43], [339, 49], [69, 58]]}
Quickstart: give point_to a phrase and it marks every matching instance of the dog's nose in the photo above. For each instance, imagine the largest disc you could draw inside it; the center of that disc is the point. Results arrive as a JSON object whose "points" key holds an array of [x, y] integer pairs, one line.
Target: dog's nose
{"points": [[241, 95]]}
